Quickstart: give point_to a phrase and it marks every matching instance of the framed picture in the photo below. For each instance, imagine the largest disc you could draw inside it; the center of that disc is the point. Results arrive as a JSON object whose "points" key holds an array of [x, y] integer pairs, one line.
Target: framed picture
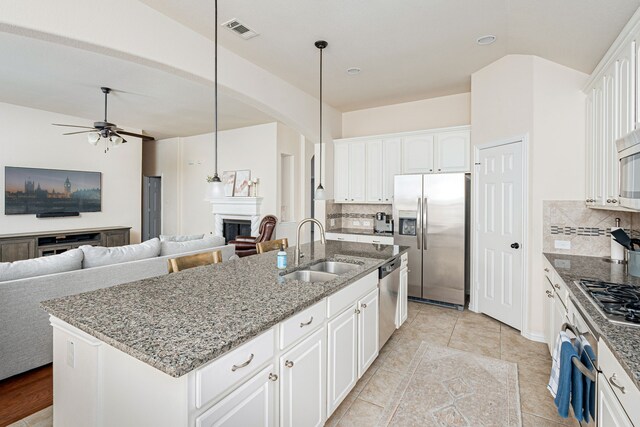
{"points": [[34, 191], [242, 183], [229, 181]]}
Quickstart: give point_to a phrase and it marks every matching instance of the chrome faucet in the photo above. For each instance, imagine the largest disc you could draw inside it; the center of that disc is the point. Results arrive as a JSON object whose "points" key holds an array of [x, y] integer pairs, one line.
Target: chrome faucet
{"points": [[298, 255]]}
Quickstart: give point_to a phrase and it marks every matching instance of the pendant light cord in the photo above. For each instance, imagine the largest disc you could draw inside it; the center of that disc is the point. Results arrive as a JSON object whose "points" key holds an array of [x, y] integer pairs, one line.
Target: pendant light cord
{"points": [[215, 91]]}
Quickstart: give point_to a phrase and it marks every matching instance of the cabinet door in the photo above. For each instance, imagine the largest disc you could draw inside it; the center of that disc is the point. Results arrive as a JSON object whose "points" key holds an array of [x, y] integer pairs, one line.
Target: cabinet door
{"points": [[597, 169], [342, 360], [17, 250], [251, 404], [559, 315], [590, 137], [302, 386], [367, 331], [115, 238], [452, 151], [549, 311], [610, 411], [401, 310], [417, 154], [357, 166], [374, 175], [391, 166], [611, 133], [341, 172]]}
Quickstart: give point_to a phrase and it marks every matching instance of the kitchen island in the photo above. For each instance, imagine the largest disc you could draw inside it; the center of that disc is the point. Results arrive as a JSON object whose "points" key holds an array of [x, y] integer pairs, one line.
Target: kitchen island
{"points": [[210, 344]]}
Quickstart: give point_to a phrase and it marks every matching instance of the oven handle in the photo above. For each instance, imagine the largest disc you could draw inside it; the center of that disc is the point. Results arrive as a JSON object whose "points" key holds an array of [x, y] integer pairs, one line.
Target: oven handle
{"points": [[591, 374]]}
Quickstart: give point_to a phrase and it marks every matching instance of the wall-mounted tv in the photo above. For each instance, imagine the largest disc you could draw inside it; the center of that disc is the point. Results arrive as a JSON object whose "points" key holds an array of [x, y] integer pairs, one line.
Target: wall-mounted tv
{"points": [[35, 191]]}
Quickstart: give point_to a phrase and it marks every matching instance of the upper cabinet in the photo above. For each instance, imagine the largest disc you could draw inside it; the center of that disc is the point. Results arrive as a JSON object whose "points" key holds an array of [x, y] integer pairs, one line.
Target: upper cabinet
{"points": [[611, 112], [364, 168]]}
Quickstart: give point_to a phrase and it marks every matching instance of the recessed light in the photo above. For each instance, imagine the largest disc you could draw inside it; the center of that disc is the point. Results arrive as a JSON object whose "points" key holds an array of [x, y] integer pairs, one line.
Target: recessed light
{"points": [[485, 40], [353, 71]]}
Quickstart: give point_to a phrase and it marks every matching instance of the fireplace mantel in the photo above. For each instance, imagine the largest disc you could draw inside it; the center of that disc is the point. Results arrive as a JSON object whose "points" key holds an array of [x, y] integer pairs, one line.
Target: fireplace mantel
{"points": [[244, 208]]}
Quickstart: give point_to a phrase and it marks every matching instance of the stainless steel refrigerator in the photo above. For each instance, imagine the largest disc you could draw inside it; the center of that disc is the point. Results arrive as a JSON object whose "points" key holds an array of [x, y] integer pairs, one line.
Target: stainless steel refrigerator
{"points": [[431, 214]]}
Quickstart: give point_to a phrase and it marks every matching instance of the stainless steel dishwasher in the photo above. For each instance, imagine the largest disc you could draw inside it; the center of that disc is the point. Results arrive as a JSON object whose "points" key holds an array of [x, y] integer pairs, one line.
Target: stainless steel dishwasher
{"points": [[389, 285]]}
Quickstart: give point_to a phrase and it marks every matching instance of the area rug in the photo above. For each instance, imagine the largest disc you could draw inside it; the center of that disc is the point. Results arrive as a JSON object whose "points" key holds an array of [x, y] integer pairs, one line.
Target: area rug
{"points": [[448, 387]]}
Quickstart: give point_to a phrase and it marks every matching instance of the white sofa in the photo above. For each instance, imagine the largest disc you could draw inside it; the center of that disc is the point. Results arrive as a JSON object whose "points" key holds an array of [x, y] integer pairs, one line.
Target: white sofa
{"points": [[25, 333]]}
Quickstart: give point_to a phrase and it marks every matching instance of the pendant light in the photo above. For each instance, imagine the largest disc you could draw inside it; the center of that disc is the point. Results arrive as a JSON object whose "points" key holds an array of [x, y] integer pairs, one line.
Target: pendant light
{"points": [[320, 44], [216, 187]]}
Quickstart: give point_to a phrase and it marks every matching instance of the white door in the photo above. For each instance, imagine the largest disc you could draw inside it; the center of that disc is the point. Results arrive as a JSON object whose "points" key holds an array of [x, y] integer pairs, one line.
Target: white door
{"points": [[417, 154], [341, 172], [374, 175], [610, 411], [452, 151], [499, 232], [392, 166], [251, 404], [302, 383], [401, 310], [357, 166], [342, 360], [367, 331]]}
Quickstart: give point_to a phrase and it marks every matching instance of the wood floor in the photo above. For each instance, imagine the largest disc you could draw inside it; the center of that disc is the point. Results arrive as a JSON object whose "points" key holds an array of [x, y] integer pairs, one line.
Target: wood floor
{"points": [[26, 393]]}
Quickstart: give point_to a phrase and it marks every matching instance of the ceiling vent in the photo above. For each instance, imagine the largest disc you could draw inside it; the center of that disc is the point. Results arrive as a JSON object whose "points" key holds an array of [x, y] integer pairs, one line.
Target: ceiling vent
{"points": [[240, 29]]}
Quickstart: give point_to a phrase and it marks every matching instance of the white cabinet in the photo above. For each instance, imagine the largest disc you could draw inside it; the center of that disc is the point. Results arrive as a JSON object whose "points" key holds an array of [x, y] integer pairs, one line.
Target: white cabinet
{"points": [[402, 309], [391, 166], [374, 171], [610, 411], [417, 154], [341, 172], [618, 394], [251, 404], [357, 165], [548, 309], [361, 238], [302, 386], [368, 311], [342, 361], [452, 151]]}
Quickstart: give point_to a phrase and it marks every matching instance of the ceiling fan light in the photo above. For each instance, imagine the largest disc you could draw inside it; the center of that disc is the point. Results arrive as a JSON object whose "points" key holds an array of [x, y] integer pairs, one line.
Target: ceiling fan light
{"points": [[93, 138], [116, 140]]}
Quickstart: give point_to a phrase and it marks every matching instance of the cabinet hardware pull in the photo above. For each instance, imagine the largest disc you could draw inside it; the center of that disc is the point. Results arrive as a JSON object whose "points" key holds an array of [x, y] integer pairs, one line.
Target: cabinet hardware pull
{"points": [[546, 269], [549, 294], [357, 311], [363, 305], [614, 382], [302, 325], [608, 200], [236, 367], [376, 241], [288, 364], [273, 377], [614, 200], [555, 285]]}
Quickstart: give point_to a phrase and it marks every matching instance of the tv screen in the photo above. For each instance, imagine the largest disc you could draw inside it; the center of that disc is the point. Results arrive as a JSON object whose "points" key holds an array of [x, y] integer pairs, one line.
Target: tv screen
{"points": [[33, 191]]}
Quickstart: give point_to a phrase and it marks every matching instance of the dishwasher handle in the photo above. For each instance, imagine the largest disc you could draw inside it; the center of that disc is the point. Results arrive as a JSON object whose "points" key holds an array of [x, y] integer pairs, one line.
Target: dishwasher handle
{"points": [[389, 267]]}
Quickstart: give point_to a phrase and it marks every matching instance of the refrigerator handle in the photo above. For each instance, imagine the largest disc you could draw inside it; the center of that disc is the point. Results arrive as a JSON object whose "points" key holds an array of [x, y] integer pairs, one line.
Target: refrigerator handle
{"points": [[418, 222], [425, 222]]}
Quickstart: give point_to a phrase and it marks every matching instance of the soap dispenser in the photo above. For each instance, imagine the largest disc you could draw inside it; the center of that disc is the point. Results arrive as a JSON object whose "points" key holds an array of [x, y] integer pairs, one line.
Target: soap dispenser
{"points": [[282, 258]]}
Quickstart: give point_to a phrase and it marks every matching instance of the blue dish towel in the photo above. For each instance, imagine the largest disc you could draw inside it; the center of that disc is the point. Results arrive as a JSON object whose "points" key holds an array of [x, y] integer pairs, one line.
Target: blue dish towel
{"points": [[589, 395], [565, 380]]}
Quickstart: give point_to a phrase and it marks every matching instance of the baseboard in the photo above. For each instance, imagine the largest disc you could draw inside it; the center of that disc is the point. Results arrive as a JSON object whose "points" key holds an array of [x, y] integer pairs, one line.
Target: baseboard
{"points": [[534, 336]]}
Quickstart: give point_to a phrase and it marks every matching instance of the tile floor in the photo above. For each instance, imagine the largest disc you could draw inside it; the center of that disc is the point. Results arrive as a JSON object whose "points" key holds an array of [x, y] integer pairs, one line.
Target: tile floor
{"points": [[466, 331]]}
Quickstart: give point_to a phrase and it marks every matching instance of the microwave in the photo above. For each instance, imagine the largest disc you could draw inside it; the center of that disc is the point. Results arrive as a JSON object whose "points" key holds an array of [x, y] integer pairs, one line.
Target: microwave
{"points": [[629, 169]]}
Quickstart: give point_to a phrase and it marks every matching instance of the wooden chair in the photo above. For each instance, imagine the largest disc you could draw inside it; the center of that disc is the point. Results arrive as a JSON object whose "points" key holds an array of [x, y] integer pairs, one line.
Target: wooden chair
{"points": [[271, 245], [196, 260]]}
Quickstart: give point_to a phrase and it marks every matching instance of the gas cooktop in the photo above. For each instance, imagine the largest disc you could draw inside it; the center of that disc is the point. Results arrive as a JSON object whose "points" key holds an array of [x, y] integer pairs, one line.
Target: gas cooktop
{"points": [[619, 303]]}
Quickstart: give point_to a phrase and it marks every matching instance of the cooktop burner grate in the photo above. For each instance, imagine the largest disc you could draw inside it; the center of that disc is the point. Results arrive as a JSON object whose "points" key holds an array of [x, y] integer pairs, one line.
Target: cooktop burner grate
{"points": [[619, 303]]}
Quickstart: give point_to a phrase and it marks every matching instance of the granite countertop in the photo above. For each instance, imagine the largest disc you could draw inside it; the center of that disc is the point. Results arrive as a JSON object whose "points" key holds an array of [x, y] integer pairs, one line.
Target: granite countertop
{"points": [[624, 341], [181, 321], [360, 231]]}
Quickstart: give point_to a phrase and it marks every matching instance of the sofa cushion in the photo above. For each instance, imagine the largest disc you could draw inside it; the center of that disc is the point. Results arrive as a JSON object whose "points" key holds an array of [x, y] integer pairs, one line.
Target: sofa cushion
{"points": [[183, 238], [96, 256], [66, 261], [172, 248]]}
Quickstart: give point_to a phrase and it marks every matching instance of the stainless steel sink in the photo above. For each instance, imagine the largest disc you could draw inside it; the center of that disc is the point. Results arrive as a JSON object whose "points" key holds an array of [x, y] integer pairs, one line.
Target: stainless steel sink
{"points": [[334, 267], [310, 276]]}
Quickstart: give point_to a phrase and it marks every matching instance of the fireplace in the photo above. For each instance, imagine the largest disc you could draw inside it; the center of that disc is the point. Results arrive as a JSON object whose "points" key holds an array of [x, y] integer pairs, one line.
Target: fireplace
{"points": [[243, 210], [235, 227]]}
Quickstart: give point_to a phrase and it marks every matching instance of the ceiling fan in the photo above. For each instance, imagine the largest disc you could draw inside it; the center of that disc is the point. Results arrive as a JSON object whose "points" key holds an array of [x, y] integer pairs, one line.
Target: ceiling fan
{"points": [[109, 132]]}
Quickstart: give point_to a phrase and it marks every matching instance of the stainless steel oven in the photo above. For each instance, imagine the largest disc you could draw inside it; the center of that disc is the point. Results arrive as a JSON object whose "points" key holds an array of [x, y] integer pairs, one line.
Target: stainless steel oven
{"points": [[629, 169]]}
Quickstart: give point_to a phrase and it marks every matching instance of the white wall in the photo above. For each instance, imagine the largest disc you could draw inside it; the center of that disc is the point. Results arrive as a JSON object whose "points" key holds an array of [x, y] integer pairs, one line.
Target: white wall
{"points": [[445, 111], [29, 140], [523, 95]]}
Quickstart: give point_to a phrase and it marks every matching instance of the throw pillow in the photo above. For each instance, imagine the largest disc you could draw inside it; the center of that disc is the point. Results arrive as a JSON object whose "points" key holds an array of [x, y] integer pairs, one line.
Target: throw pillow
{"points": [[66, 261], [183, 238], [96, 256], [172, 248]]}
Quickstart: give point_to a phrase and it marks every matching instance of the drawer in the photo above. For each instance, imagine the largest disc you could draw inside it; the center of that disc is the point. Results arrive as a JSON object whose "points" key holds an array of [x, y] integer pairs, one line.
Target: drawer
{"points": [[404, 260], [303, 323], [382, 240], [233, 367], [341, 237], [618, 378], [337, 302]]}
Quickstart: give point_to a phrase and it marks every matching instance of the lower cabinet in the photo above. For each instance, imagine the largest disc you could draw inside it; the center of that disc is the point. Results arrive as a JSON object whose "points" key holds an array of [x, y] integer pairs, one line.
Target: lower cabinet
{"points": [[302, 383], [251, 404], [610, 411], [403, 290], [342, 363], [368, 311]]}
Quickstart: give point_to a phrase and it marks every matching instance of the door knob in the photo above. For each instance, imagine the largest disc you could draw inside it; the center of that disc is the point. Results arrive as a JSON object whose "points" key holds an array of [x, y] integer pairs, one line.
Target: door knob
{"points": [[515, 245]]}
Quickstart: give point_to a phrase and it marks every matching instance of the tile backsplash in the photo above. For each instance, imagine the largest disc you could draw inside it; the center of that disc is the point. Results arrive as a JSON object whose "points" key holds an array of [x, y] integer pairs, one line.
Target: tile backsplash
{"points": [[353, 215], [588, 230]]}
